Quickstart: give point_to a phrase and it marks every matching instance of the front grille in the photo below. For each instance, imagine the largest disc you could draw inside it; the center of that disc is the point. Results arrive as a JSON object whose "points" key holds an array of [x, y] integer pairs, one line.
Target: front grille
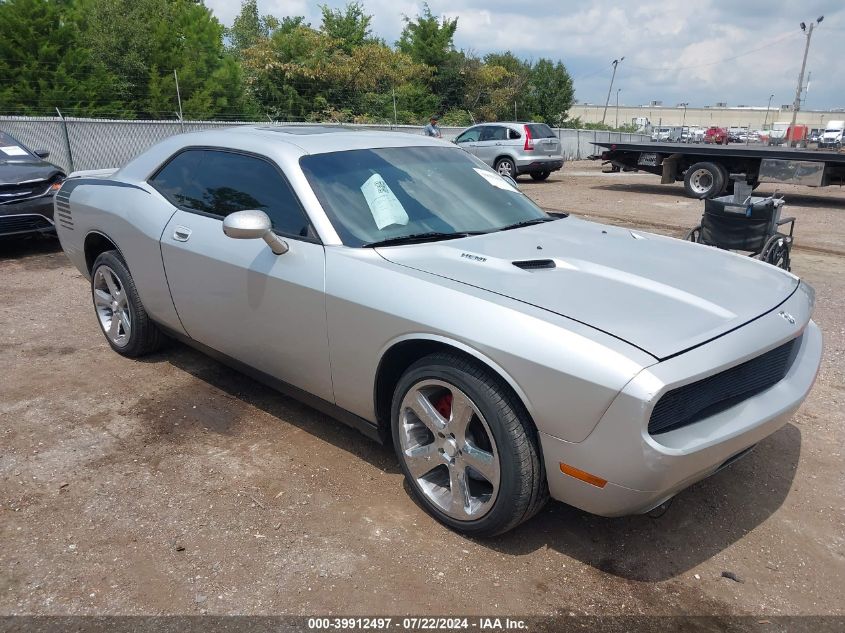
{"points": [[12, 224], [15, 193], [691, 403]]}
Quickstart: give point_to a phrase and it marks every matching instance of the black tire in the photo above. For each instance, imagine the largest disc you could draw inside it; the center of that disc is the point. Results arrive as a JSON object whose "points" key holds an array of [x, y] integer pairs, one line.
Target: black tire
{"points": [[727, 183], [523, 490], [506, 167], [144, 337], [693, 235], [540, 175], [698, 186]]}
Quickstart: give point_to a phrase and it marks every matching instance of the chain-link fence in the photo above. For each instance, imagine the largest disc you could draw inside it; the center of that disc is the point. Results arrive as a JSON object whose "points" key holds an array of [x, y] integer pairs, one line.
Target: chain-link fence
{"points": [[76, 144]]}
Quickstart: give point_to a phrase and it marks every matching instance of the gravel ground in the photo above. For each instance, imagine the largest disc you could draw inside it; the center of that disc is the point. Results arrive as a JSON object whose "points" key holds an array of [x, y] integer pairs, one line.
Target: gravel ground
{"points": [[174, 485]]}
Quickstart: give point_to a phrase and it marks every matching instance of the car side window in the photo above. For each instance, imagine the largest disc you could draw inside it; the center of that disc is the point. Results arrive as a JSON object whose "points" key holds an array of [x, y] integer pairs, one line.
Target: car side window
{"points": [[493, 133], [217, 183], [470, 136], [513, 134]]}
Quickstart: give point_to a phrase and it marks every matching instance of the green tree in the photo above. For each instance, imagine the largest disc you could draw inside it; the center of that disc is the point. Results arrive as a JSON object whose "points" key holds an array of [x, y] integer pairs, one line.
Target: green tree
{"points": [[549, 93], [427, 39], [349, 26], [249, 27], [44, 63], [144, 41]]}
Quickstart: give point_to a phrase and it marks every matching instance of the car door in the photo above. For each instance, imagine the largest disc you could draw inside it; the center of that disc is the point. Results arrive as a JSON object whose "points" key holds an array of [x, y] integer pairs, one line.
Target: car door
{"points": [[236, 296], [468, 139], [490, 143]]}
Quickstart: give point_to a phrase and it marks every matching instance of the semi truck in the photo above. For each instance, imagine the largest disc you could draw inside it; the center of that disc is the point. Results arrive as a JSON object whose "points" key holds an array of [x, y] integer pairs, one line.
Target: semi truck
{"points": [[708, 170], [832, 134]]}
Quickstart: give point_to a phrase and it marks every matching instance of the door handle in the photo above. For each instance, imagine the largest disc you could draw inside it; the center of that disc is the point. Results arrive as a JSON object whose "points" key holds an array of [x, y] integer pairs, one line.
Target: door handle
{"points": [[181, 233]]}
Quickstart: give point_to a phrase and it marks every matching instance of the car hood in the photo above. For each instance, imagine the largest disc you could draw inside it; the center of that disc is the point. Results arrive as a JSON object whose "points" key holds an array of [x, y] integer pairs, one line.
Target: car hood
{"points": [[659, 294], [15, 172]]}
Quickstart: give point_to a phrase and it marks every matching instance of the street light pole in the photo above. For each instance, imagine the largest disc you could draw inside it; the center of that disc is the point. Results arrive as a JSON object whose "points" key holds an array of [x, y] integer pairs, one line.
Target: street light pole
{"points": [[797, 104], [768, 107], [615, 63], [618, 90]]}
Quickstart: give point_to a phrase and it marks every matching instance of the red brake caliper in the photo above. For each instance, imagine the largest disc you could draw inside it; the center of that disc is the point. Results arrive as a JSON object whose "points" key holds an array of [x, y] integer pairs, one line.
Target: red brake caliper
{"points": [[444, 405]]}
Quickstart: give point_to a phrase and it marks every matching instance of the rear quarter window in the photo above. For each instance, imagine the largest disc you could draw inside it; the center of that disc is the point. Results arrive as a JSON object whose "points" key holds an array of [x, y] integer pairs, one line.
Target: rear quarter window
{"points": [[540, 130]]}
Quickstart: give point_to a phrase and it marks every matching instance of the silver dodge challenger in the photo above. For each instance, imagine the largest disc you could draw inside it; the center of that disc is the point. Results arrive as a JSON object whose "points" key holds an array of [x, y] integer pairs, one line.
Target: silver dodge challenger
{"points": [[399, 284]]}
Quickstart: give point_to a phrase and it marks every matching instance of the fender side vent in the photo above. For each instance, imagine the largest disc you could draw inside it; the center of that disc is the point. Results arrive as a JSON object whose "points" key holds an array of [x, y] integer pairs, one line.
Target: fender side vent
{"points": [[535, 264]]}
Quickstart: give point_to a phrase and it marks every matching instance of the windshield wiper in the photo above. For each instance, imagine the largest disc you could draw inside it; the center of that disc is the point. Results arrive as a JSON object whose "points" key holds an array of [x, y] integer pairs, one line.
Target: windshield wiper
{"points": [[414, 238], [517, 225]]}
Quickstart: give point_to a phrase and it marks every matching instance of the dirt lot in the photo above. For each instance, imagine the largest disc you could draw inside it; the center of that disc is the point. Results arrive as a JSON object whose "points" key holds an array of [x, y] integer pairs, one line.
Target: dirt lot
{"points": [[175, 485]]}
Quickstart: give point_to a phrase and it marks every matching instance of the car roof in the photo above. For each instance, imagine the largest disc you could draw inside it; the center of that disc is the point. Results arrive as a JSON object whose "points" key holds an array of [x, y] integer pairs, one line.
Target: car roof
{"points": [[319, 139], [281, 142]]}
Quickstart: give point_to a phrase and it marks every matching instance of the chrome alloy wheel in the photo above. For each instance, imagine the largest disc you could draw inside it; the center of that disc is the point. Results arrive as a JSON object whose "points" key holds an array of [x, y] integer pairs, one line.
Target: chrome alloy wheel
{"points": [[112, 306], [449, 450], [701, 181], [505, 168]]}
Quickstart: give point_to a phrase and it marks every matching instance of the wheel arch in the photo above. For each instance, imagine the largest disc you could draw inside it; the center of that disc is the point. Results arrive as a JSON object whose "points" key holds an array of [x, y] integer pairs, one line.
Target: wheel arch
{"points": [[95, 244], [404, 351]]}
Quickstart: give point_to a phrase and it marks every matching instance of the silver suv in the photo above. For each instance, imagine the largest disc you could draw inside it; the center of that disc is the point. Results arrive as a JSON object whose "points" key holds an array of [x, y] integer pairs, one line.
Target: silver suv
{"points": [[514, 148]]}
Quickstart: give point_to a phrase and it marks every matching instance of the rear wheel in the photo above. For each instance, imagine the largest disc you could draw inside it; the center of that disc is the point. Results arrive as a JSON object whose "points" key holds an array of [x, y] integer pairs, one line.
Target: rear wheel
{"points": [[540, 175], [505, 166], [120, 313], [466, 446], [703, 180]]}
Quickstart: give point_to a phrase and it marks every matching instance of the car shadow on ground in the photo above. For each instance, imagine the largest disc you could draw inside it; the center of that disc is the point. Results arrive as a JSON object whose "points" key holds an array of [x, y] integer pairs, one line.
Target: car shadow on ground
{"points": [[677, 190], [701, 521], [243, 392], [20, 247]]}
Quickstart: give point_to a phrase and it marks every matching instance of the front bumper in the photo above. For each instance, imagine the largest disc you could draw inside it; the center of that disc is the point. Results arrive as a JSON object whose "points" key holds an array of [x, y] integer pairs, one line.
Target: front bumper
{"points": [[643, 471], [34, 215], [534, 165]]}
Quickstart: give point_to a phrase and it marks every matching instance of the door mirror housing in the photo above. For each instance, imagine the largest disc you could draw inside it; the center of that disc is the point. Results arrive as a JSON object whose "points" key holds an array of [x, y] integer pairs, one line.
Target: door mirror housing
{"points": [[42, 153], [253, 224]]}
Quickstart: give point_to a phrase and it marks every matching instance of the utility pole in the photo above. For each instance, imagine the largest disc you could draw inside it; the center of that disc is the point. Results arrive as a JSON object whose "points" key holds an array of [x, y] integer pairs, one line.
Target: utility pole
{"points": [[618, 90], [797, 104], [684, 118], [768, 107], [395, 117], [179, 99], [615, 63], [514, 111]]}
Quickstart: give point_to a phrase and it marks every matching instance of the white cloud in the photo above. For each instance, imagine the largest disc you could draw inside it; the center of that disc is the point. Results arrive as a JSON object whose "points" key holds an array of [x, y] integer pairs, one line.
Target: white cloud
{"points": [[669, 47]]}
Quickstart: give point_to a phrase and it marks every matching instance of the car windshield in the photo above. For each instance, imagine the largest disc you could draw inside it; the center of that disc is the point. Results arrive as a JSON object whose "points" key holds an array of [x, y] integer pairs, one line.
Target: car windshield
{"points": [[374, 195], [10, 148]]}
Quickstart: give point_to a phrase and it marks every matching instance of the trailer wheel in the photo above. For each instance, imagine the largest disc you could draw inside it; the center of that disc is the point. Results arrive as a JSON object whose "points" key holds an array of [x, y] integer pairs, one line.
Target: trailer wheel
{"points": [[703, 180]]}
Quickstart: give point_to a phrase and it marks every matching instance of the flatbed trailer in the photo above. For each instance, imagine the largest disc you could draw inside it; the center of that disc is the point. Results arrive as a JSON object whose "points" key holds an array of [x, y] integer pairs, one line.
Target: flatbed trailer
{"points": [[708, 171]]}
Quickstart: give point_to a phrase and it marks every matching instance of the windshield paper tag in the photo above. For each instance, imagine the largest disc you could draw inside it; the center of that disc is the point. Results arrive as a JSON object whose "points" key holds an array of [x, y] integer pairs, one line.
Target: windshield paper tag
{"points": [[495, 179], [384, 205], [13, 150]]}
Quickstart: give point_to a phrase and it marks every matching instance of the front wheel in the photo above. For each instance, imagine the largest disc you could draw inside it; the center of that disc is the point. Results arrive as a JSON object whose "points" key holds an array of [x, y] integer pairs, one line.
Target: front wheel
{"points": [[466, 446], [540, 175], [120, 313], [505, 167]]}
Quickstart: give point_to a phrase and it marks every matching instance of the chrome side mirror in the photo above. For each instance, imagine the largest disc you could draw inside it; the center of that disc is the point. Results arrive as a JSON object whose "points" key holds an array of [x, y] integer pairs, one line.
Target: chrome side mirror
{"points": [[253, 224]]}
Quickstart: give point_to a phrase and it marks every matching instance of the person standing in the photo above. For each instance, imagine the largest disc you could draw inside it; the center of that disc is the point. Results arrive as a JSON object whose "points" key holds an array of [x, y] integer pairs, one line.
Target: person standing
{"points": [[431, 129]]}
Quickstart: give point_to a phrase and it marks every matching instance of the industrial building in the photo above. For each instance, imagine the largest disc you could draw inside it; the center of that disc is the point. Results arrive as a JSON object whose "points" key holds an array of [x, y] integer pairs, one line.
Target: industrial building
{"points": [[755, 117]]}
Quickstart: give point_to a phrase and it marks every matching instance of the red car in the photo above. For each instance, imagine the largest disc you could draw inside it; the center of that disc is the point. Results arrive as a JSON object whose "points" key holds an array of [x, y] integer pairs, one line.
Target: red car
{"points": [[716, 135]]}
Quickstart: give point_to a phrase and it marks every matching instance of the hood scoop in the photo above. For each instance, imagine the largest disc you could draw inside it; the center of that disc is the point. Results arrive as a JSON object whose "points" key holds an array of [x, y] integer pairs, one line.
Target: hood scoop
{"points": [[535, 264]]}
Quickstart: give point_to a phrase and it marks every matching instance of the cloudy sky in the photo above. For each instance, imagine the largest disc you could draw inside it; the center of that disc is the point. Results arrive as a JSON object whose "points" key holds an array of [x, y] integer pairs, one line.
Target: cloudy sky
{"points": [[702, 52]]}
